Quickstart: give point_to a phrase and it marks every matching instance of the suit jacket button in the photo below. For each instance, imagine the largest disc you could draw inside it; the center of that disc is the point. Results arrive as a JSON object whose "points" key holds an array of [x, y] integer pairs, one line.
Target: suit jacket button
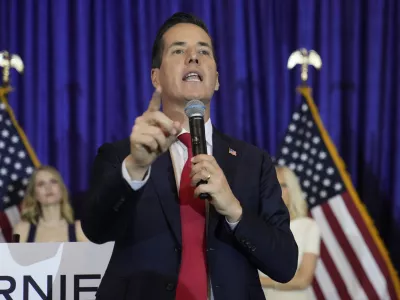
{"points": [[170, 286]]}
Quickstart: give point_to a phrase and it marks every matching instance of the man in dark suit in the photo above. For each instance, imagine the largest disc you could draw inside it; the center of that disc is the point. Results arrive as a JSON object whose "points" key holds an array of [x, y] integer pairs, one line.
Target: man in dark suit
{"points": [[144, 193]]}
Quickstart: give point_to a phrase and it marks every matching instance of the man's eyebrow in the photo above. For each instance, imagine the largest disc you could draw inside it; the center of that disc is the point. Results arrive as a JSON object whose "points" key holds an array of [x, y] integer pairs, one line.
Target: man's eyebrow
{"points": [[178, 43], [204, 44]]}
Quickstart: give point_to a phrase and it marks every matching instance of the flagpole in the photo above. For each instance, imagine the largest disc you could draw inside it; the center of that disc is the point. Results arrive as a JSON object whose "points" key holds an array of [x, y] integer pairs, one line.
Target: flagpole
{"points": [[7, 63]]}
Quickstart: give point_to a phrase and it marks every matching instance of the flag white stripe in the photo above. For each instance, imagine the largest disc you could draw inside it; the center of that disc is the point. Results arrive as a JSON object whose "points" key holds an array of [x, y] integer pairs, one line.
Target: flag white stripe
{"points": [[342, 264], [13, 215], [325, 282], [359, 246]]}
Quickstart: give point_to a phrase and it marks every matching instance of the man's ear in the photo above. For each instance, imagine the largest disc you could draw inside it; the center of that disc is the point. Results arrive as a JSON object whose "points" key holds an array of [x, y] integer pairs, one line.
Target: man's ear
{"points": [[155, 77], [217, 83]]}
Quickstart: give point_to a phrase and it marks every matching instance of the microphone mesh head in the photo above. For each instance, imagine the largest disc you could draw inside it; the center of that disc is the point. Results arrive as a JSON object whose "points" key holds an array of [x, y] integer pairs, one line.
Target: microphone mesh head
{"points": [[195, 108]]}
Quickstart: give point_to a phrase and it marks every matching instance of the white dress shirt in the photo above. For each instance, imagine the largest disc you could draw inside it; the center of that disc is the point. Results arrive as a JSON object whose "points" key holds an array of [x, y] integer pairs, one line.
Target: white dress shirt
{"points": [[179, 155]]}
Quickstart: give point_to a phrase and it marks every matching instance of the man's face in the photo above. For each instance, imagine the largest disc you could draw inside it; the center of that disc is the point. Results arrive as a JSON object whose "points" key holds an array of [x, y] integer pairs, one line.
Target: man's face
{"points": [[188, 69]]}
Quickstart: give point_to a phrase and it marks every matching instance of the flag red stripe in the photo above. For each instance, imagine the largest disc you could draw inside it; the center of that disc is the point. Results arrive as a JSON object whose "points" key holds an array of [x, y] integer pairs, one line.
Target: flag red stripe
{"points": [[317, 290], [334, 273], [349, 252], [369, 241], [5, 226]]}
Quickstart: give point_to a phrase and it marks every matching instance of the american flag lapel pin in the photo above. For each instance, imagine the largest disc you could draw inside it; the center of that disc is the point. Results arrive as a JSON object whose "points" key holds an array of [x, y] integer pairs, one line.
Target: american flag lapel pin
{"points": [[232, 152]]}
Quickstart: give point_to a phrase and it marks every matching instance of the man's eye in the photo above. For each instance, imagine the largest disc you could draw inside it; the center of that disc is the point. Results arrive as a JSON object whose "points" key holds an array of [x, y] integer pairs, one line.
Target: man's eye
{"points": [[205, 52], [177, 51]]}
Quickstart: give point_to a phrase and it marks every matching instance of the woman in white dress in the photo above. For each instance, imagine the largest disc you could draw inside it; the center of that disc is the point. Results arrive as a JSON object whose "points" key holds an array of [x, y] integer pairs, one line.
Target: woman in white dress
{"points": [[307, 235]]}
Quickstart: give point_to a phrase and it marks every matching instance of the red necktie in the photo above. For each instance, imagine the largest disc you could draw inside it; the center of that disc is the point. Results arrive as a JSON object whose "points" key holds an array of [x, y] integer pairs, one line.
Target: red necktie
{"points": [[192, 281]]}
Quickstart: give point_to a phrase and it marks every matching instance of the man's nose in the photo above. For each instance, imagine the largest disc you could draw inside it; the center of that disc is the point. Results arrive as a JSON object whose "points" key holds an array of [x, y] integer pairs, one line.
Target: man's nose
{"points": [[192, 58]]}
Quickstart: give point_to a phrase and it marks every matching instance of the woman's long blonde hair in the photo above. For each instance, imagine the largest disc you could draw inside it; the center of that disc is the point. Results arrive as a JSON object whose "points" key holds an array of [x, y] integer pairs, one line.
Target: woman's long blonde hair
{"points": [[298, 206], [31, 209]]}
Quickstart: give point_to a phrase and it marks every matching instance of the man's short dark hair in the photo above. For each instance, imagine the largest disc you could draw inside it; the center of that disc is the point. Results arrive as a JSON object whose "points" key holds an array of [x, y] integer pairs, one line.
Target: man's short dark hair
{"points": [[177, 18]]}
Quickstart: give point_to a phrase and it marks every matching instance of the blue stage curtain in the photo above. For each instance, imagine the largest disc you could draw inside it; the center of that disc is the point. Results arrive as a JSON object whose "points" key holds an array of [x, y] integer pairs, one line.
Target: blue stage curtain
{"points": [[88, 77]]}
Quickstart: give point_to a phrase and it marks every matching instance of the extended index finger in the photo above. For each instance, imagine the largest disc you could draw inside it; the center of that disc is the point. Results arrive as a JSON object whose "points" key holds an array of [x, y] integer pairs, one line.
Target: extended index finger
{"points": [[155, 102]]}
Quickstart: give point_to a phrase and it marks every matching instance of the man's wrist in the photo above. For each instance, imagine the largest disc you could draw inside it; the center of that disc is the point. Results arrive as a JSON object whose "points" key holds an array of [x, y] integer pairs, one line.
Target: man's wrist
{"points": [[135, 172], [235, 215]]}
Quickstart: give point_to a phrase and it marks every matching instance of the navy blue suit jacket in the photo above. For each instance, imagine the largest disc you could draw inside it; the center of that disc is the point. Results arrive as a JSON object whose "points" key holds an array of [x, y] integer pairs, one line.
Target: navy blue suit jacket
{"points": [[146, 228]]}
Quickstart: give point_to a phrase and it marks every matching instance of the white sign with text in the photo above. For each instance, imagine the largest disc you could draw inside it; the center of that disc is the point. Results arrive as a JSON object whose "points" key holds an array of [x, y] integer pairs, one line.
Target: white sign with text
{"points": [[52, 271]]}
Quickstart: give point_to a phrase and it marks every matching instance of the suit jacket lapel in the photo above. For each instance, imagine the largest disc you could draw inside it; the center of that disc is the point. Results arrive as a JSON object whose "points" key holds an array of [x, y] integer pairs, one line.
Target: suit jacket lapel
{"points": [[165, 187], [228, 162]]}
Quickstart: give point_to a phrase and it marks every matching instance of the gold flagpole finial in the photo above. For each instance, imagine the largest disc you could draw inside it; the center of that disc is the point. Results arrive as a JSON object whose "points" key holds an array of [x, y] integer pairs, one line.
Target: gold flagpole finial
{"points": [[7, 62], [304, 58]]}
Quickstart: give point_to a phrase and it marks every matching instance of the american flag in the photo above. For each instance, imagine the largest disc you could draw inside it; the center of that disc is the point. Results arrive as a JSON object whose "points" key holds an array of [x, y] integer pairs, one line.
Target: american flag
{"points": [[17, 162], [353, 263]]}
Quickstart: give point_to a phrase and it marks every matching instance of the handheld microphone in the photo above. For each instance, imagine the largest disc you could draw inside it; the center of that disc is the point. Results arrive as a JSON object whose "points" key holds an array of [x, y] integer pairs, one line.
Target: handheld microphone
{"points": [[195, 110]]}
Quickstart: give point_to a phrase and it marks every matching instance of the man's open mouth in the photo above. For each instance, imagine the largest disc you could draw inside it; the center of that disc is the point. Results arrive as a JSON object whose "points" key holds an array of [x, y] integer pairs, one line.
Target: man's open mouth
{"points": [[192, 76]]}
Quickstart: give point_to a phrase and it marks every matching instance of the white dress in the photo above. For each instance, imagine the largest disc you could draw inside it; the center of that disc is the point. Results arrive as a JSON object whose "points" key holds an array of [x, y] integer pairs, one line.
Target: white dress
{"points": [[307, 235]]}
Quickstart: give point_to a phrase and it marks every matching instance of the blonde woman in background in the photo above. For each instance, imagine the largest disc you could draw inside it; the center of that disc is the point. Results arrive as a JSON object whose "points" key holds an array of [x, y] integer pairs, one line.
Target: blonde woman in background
{"points": [[307, 236], [47, 215]]}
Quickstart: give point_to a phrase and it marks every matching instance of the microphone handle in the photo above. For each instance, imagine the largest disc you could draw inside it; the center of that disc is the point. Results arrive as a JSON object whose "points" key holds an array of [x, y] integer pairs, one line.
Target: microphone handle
{"points": [[199, 145]]}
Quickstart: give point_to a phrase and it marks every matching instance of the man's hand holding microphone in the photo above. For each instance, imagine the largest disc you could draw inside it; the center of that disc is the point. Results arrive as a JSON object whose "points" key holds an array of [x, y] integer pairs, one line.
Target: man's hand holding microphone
{"points": [[153, 134]]}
